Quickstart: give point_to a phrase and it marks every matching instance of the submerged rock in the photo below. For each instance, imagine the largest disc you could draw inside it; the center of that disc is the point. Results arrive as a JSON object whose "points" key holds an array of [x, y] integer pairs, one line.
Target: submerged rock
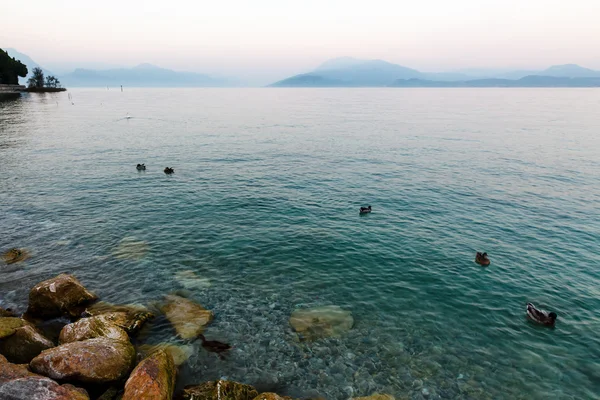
{"points": [[180, 353], [376, 396], [271, 396], [61, 295], [15, 255], [321, 322], [131, 248], [17, 383], [187, 317], [25, 343], [190, 280], [153, 378], [220, 390], [96, 360], [89, 328]]}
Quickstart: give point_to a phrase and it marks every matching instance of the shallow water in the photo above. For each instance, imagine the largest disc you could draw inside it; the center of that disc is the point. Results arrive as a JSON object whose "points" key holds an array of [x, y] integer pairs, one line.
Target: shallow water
{"points": [[263, 208]]}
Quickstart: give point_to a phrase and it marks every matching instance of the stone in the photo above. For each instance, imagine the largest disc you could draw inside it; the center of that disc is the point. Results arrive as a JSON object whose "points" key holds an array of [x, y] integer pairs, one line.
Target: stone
{"points": [[89, 328], [376, 396], [97, 360], [321, 322], [103, 307], [111, 393], [8, 325], [271, 396], [131, 321], [152, 379], [187, 317], [131, 248], [24, 344], [61, 295], [190, 280], [15, 255], [180, 353], [220, 390], [18, 383], [7, 312]]}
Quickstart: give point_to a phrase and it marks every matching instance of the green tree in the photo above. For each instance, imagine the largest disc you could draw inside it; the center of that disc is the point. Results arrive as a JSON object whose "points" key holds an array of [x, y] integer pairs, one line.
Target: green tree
{"points": [[52, 82], [37, 79], [11, 69]]}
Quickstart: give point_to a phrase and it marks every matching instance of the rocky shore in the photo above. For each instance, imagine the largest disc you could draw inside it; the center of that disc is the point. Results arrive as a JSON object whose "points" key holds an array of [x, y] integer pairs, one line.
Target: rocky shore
{"points": [[95, 352]]}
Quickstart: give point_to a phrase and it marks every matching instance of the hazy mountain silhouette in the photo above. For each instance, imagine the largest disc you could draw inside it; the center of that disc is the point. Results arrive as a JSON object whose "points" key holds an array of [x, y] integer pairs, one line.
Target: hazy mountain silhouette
{"points": [[143, 75], [530, 81], [352, 72]]}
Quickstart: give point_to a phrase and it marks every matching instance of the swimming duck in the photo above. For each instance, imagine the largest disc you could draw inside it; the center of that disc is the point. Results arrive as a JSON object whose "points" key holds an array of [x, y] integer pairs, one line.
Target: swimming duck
{"points": [[541, 316], [169, 170], [365, 210], [141, 167], [214, 346], [482, 259]]}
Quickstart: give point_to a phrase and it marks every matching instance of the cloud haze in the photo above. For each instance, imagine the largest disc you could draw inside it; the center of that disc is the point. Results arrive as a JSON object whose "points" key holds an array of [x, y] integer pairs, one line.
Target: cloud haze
{"points": [[264, 40]]}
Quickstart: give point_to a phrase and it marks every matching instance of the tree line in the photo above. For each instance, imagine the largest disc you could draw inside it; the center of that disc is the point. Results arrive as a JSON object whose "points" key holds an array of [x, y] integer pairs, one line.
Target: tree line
{"points": [[11, 69], [37, 80]]}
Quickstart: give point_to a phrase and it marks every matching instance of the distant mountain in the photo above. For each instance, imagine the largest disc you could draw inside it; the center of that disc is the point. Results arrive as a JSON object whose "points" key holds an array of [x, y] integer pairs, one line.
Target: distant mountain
{"points": [[352, 72], [25, 59], [144, 75], [530, 81]]}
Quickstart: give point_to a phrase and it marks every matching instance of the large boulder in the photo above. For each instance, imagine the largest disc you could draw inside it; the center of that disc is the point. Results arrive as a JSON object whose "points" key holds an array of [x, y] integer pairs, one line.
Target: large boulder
{"points": [[25, 342], [89, 328], [17, 383], [187, 317], [153, 378], [97, 360], [220, 390], [321, 322], [61, 295], [180, 353]]}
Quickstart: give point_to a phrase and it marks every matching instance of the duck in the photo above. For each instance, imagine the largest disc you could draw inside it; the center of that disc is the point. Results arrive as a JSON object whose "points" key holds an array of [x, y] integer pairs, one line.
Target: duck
{"points": [[214, 346], [140, 167], [541, 316], [365, 210], [169, 170], [482, 259]]}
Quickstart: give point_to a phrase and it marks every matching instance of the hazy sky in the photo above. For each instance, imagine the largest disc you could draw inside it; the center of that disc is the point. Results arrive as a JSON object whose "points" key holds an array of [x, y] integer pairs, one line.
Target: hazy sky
{"points": [[271, 39]]}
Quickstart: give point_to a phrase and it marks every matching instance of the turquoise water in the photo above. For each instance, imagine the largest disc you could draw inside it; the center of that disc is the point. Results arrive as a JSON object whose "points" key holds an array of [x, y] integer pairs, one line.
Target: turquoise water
{"points": [[264, 204]]}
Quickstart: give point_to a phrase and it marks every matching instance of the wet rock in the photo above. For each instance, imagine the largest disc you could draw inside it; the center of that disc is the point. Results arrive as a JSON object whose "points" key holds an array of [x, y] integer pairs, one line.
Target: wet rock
{"points": [[180, 353], [15, 255], [17, 383], [190, 280], [153, 378], [7, 312], [131, 248], [104, 307], [271, 396], [187, 317], [321, 322], [61, 295], [25, 343], [220, 390], [89, 328], [8, 325], [376, 396], [96, 360]]}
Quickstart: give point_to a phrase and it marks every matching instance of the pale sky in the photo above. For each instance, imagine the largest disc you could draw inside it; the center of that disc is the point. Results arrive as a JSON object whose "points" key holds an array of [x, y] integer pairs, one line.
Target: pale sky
{"points": [[273, 39]]}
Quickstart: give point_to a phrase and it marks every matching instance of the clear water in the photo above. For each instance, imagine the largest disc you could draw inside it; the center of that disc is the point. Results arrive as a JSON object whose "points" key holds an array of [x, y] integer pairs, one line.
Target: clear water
{"points": [[264, 204]]}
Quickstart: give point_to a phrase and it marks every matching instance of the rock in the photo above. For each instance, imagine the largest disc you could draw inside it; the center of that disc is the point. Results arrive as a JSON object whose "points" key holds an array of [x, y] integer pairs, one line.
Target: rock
{"points": [[190, 280], [8, 325], [111, 393], [220, 390], [17, 383], [187, 317], [180, 353], [131, 321], [89, 328], [153, 378], [6, 313], [24, 344], [96, 360], [321, 322], [103, 307], [131, 248], [271, 396], [57, 296], [15, 255], [376, 396]]}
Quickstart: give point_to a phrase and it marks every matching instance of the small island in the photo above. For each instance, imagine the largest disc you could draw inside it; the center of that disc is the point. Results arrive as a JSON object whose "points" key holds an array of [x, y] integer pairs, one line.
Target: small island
{"points": [[38, 84]]}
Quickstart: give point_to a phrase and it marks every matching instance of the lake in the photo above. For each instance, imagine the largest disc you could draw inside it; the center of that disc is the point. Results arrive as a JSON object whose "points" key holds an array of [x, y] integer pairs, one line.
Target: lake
{"points": [[261, 218]]}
